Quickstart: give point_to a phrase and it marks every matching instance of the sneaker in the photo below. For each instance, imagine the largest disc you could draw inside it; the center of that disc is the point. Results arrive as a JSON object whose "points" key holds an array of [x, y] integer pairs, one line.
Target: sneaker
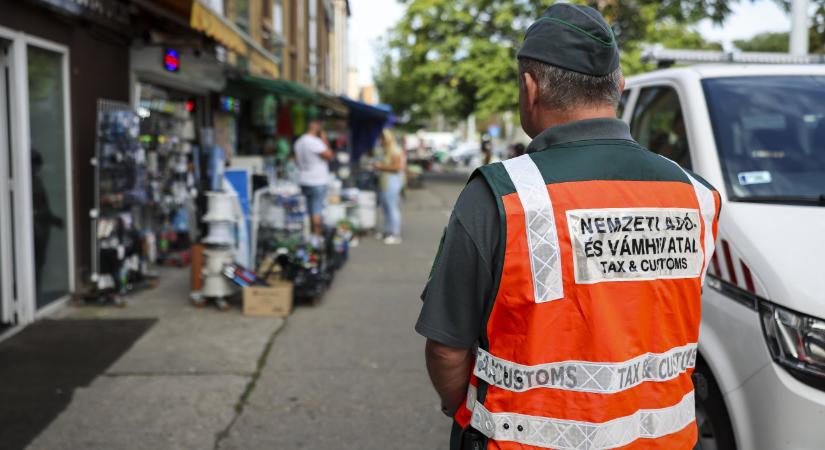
{"points": [[392, 240], [379, 236]]}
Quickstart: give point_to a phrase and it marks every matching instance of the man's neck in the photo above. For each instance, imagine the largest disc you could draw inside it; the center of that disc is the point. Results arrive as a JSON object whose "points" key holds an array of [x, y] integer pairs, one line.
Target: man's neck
{"points": [[556, 118]]}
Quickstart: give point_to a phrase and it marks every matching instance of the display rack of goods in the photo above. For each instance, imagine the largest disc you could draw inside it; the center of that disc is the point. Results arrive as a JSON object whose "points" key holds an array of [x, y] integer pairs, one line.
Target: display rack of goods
{"points": [[119, 254], [281, 229], [167, 132]]}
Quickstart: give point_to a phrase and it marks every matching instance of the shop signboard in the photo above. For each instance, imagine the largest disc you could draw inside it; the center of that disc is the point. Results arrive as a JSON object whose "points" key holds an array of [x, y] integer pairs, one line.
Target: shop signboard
{"points": [[113, 13], [171, 60]]}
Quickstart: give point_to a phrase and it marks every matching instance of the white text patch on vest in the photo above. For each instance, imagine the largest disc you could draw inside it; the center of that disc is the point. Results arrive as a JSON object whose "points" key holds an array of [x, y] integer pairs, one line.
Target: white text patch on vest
{"points": [[630, 244]]}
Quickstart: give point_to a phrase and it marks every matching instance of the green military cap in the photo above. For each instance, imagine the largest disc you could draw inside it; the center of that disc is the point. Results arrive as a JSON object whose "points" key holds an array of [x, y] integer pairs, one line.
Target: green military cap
{"points": [[572, 37]]}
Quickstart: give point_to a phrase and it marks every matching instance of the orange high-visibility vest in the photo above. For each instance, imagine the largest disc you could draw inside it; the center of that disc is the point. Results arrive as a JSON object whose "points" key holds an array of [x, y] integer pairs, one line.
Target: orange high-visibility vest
{"points": [[591, 338]]}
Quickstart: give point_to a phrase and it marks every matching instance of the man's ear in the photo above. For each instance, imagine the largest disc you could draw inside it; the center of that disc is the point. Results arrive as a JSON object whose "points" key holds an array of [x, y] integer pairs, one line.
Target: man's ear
{"points": [[531, 89]]}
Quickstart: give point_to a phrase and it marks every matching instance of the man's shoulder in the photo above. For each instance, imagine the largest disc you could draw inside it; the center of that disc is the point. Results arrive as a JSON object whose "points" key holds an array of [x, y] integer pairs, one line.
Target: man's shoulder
{"points": [[306, 137], [476, 192], [477, 209], [701, 180]]}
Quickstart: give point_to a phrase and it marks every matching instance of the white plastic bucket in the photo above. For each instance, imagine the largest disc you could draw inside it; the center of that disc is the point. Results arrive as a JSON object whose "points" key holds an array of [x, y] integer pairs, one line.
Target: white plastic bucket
{"points": [[220, 233], [333, 214], [216, 286], [367, 198], [273, 215], [220, 207], [215, 260], [366, 216]]}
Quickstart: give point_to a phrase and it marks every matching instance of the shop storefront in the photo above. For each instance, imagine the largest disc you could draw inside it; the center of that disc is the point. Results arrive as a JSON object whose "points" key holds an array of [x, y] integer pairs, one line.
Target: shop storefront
{"points": [[152, 219], [52, 71], [276, 112]]}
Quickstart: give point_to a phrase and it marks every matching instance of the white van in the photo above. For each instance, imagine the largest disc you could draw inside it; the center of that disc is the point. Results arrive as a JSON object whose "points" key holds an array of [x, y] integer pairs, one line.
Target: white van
{"points": [[757, 133]]}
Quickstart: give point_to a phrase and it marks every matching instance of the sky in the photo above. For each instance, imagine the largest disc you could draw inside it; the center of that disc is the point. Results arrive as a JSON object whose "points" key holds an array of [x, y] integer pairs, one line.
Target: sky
{"points": [[746, 20], [371, 19]]}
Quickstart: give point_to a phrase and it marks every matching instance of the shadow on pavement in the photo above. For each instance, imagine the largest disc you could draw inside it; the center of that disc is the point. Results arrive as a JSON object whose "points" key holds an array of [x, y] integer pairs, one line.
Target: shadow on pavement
{"points": [[42, 365]]}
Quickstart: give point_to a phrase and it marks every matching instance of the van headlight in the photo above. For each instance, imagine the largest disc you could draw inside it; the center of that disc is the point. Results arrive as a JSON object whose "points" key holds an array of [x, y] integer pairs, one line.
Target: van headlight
{"points": [[796, 342]]}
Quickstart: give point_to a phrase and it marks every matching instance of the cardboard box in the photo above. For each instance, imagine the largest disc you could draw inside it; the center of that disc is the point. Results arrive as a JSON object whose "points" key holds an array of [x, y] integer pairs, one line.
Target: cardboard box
{"points": [[268, 301]]}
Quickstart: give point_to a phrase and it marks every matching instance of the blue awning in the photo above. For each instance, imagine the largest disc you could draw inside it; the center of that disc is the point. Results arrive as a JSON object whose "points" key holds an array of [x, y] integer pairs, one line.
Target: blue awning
{"points": [[365, 123]]}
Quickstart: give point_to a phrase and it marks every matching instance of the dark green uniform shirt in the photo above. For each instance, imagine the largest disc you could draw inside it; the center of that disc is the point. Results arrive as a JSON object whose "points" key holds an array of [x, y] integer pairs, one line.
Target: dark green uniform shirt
{"points": [[461, 284]]}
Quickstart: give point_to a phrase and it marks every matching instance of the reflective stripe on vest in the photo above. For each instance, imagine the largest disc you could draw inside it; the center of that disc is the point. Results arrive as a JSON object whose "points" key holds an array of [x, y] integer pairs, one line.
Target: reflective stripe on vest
{"points": [[542, 237], [567, 434], [707, 205], [586, 376], [472, 395]]}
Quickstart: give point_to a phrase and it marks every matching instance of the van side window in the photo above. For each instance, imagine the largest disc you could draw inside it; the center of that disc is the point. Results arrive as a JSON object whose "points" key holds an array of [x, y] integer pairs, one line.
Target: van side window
{"points": [[658, 124], [622, 104]]}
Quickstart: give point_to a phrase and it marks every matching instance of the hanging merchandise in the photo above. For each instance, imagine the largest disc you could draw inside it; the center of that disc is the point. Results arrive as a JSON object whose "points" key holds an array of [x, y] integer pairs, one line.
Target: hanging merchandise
{"points": [[168, 132], [121, 199], [263, 113], [312, 112], [285, 128], [299, 118], [283, 150]]}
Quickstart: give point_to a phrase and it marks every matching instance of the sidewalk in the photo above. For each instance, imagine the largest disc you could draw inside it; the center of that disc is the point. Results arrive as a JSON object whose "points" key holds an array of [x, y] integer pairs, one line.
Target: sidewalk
{"points": [[348, 374], [179, 385]]}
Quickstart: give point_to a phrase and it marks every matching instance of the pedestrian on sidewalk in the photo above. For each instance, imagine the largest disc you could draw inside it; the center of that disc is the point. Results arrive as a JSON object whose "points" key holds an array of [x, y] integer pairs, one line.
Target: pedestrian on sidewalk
{"points": [[390, 183], [312, 156], [563, 307]]}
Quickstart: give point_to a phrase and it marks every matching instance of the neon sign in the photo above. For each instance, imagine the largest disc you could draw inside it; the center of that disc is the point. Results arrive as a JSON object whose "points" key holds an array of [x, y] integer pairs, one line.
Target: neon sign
{"points": [[171, 60]]}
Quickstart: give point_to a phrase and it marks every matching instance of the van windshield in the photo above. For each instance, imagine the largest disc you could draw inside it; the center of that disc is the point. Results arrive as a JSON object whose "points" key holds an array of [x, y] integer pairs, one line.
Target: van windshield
{"points": [[770, 133]]}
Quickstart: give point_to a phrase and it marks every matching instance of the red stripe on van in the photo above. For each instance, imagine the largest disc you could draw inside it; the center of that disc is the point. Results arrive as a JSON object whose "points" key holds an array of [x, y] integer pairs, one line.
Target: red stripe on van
{"points": [[729, 262], [746, 273]]}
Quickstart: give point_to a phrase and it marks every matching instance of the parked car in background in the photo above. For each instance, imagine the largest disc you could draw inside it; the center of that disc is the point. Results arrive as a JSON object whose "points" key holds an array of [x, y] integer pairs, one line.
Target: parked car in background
{"points": [[757, 133], [464, 152]]}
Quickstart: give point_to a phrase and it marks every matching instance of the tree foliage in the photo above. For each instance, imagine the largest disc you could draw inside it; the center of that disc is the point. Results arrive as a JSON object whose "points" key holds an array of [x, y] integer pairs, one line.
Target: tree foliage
{"points": [[780, 42], [457, 57], [764, 42]]}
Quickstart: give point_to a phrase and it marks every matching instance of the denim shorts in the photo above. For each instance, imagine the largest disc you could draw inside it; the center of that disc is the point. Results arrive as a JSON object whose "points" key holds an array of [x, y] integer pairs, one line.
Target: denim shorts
{"points": [[316, 198]]}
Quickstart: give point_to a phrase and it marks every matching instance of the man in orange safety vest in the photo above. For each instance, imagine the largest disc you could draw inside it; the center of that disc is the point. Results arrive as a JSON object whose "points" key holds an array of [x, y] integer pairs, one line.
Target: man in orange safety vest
{"points": [[563, 308]]}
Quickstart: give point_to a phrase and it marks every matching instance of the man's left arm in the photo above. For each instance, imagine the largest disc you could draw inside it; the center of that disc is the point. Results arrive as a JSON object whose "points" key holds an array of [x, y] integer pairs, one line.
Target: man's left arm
{"points": [[449, 370], [456, 295]]}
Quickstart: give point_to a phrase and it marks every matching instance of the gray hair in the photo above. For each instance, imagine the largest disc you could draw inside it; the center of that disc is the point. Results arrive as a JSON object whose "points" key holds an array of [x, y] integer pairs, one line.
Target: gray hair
{"points": [[564, 90]]}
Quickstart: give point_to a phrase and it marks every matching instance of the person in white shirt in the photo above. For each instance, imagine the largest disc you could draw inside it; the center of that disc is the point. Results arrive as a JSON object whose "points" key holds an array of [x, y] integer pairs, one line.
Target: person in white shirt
{"points": [[312, 156]]}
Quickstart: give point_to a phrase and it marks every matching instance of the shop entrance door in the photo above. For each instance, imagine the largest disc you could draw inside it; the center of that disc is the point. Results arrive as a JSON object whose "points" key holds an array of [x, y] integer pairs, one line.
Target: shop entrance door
{"points": [[48, 158], [7, 270], [35, 217]]}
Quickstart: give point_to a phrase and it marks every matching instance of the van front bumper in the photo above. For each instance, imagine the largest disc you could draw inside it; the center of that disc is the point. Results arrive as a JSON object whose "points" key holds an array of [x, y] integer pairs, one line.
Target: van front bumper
{"points": [[779, 411]]}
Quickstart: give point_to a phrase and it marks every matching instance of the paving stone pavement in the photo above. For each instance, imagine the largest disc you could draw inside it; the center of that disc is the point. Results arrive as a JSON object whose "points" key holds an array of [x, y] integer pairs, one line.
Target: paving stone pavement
{"points": [[350, 374]]}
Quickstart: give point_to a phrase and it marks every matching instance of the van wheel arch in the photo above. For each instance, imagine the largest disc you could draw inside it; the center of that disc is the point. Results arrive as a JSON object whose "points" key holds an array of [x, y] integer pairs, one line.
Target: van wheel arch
{"points": [[712, 416]]}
